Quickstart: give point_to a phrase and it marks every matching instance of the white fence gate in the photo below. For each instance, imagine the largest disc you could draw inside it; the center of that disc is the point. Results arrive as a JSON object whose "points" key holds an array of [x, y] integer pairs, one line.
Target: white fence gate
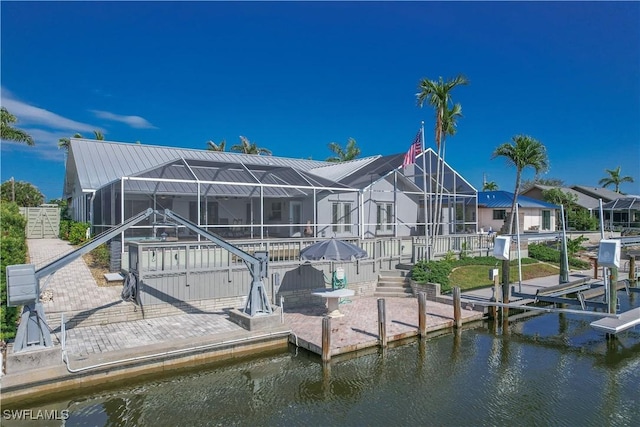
{"points": [[43, 222]]}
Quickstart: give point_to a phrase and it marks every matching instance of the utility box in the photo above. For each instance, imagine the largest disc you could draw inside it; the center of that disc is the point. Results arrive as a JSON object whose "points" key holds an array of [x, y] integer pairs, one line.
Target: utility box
{"points": [[22, 286], [609, 253], [501, 247], [493, 273]]}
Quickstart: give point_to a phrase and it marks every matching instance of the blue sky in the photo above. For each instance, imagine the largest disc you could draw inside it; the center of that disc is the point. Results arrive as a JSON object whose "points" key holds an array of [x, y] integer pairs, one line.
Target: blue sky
{"points": [[295, 76]]}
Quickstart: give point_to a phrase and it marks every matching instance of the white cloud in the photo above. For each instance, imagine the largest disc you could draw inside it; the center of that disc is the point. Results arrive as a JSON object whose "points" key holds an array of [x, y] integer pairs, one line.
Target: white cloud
{"points": [[28, 114], [133, 121]]}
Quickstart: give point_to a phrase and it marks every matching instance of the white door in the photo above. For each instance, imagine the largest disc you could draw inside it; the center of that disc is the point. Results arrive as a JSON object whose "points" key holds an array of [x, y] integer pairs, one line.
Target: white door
{"points": [[295, 219]]}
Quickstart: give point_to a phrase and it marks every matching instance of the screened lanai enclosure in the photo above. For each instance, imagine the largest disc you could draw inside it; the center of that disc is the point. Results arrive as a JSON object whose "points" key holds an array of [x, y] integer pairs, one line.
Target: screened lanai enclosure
{"points": [[260, 197]]}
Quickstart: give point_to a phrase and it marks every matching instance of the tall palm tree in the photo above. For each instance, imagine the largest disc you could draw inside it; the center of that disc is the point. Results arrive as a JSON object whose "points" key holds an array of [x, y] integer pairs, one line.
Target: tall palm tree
{"points": [[524, 151], [248, 147], [438, 94], [349, 152], [449, 128], [490, 186], [614, 179], [8, 132], [212, 146]]}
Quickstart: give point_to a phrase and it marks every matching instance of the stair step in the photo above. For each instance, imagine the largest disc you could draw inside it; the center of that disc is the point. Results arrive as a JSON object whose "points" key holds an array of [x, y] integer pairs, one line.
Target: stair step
{"points": [[394, 289], [392, 295], [395, 273]]}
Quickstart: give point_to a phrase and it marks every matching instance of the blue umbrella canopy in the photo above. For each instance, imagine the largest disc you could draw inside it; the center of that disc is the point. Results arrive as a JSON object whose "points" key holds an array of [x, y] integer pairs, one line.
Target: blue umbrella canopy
{"points": [[334, 250]]}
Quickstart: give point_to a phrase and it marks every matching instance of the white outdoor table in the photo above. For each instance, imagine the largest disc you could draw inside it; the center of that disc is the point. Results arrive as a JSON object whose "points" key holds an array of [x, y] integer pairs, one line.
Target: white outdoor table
{"points": [[333, 299]]}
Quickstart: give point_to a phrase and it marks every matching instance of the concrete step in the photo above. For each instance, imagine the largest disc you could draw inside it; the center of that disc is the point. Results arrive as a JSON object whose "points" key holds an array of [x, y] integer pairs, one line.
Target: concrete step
{"points": [[398, 280], [387, 290], [394, 273], [392, 295], [393, 285]]}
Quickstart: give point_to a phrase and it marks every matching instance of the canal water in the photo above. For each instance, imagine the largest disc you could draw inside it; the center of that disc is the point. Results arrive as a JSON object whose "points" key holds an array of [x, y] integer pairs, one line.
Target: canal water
{"points": [[544, 370]]}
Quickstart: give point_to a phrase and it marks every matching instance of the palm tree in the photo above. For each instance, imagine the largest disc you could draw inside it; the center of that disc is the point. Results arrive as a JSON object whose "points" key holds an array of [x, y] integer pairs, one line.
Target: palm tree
{"points": [[248, 147], [614, 179], [524, 151], [438, 95], [212, 146], [8, 132], [449, 128], [64, 142], [490, 186], [349, 152]]}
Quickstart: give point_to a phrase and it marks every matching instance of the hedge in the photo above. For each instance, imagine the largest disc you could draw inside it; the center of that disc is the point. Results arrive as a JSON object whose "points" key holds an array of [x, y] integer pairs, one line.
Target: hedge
{"points": [[13, 250]]}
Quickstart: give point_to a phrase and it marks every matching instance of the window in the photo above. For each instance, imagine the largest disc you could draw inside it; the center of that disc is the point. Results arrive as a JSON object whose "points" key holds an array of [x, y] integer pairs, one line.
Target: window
{"points": [[384, 217], [341, 222], [546, 220], [276, 211], [499, 213]]}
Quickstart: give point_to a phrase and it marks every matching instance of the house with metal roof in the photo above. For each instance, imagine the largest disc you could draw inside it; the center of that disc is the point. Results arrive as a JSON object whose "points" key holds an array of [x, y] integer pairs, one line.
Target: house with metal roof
{"points": [[623, 212], [494, 208], [255, 196], [583, 200]]}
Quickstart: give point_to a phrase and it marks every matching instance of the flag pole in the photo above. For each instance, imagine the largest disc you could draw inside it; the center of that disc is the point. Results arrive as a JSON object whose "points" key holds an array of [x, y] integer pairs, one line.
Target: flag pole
{"points": [[427, 246]]}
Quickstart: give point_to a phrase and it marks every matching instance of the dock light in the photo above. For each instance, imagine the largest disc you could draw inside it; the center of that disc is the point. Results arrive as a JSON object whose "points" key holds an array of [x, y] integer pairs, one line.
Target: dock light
{"points": [[501, 247], [609, 253]]}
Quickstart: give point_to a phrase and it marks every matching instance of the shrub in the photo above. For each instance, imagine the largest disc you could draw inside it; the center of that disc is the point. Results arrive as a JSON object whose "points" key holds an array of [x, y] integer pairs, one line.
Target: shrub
{"points": [[433, 272], [541, 252], [78, 232], [65, 228], [101, 256], [13, 250]]}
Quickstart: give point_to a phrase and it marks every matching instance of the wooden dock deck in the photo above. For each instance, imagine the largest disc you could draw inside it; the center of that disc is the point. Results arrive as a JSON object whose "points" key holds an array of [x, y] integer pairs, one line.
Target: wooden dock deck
{"points": [[358, 328]]}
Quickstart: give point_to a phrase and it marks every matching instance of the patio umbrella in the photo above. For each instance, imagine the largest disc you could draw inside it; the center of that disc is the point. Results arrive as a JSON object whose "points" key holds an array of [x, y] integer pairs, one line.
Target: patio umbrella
{"points": [[334, 250]]}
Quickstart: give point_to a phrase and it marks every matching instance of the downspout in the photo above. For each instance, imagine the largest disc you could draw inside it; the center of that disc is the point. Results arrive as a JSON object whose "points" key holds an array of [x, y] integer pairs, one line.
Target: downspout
{"points": [[93, 196], [315, 214], [122, 213], [361, 211], [395, 204]]}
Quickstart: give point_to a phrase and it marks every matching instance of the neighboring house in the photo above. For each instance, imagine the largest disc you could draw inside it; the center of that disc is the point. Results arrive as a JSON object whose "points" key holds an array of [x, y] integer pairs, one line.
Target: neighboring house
{"points": [[240, 195], [598, 193], [583, 200], [533, 215], [623, 212]]}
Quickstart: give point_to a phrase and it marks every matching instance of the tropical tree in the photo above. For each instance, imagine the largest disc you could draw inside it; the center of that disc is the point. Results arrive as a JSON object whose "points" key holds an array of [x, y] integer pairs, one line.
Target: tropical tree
{"points": [[349, 152], [212, 146], [614, 179], [10, 133], [21, 192], [248, 147], [64, 142], [490, 186], [438, 94], [524, 151], [528, 184]]}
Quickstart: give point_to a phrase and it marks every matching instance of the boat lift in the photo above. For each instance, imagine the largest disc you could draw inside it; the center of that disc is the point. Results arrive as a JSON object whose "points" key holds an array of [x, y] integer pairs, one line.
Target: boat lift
{"points": [[23, 281]]}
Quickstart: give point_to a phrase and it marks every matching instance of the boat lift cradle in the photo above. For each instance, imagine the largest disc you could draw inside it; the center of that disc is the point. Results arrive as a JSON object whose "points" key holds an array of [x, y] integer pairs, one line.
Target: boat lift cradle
{"points": [[23, 281]]}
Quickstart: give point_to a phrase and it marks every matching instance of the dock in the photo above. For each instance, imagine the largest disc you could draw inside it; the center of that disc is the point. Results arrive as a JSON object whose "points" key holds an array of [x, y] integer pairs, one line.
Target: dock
{"points": [[625, 321]]}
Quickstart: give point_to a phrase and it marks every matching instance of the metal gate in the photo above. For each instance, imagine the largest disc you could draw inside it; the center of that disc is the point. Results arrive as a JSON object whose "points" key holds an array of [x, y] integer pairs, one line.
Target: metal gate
{"points": [[43, 222]]}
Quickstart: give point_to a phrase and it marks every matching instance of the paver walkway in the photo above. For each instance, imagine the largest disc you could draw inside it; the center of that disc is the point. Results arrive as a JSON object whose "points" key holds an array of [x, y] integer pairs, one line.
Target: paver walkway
{"points": [[73, 286]]}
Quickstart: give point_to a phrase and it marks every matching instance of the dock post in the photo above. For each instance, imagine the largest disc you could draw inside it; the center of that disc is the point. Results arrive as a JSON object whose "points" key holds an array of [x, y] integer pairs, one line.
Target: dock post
{"points": [[457, 307], [493, 310], [382, 323], [422, 314], [613, 289], [326, 339], [632, 270]]}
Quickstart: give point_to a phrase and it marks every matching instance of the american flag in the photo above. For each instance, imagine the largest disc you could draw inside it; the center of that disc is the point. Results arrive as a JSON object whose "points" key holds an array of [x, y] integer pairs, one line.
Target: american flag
{"points": [[414, 150]]}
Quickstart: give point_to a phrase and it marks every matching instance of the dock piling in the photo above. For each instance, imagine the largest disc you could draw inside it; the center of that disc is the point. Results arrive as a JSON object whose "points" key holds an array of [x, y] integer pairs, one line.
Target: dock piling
{"points": [[632, 270], [326, 339], [457, 307], [382, 323], [422, 314]]}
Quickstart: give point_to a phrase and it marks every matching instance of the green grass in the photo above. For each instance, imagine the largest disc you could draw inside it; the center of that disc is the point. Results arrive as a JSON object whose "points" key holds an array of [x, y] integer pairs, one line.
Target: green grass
{"points": [[469, 277]]}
